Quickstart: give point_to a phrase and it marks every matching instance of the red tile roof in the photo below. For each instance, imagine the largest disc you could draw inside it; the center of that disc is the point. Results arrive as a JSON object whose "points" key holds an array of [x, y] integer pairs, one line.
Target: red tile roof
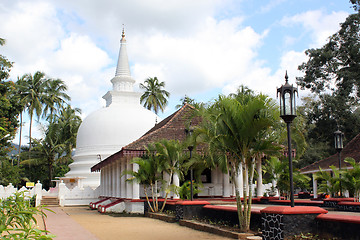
{"points": [[352, 149]]}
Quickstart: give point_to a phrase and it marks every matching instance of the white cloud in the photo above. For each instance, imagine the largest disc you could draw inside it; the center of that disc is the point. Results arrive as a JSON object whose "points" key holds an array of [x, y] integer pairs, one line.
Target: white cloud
{"points": [[318, 24]]}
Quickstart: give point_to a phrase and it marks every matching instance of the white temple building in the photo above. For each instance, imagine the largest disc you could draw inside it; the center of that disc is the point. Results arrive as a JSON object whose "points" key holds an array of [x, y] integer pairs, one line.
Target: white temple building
{"points": [[108, 129]]}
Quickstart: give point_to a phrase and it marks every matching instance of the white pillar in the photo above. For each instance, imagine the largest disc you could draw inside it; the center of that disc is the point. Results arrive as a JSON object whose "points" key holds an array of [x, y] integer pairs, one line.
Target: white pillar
{"points": [[226, 185], [108, 179], [105, 181], [111, 183], [136, 186], [128, 184], [38, 193], [61, 196], [259, 184], [118, 174], [122, 179], [176, 182], [315, 186]]}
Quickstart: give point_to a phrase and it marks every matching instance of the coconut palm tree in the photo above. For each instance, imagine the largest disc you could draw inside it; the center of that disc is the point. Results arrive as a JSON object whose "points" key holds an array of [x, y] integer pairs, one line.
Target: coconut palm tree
{"points": [[47, 151], [155, 97], [32, 90], [41, 95], [234, 125], [70, 121], [55, 96]]}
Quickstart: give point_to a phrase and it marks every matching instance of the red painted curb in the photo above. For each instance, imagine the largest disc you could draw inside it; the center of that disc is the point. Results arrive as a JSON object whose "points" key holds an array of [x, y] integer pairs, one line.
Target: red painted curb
{"points": [[339, 218], [293, 210]]}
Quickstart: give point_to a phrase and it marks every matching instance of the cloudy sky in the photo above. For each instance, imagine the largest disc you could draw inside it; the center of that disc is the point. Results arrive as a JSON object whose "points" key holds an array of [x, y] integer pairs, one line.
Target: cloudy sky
{"points": [[199, 48]]}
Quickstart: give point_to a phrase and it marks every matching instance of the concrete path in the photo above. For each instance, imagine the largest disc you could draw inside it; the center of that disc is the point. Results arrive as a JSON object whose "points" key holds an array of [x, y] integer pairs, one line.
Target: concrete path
{"points": [[81, 223], [64, 227]]}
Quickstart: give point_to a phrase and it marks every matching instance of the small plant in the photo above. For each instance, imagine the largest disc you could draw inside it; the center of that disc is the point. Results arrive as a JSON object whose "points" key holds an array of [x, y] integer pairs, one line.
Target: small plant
{"points": [[185, 190], [18, 219]]}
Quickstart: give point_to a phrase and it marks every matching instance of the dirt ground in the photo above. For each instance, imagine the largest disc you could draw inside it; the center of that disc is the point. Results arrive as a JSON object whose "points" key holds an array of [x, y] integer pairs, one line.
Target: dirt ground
{"points": [[132, 228]]}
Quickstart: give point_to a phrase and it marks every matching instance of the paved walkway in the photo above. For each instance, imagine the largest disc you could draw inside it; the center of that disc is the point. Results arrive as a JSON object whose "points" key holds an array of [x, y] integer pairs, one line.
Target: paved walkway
{"points": [[64, 227], [81, 223]]}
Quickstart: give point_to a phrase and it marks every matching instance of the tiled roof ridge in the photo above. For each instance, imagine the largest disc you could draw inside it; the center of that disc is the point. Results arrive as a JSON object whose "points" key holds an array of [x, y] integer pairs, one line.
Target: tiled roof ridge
{"points": [[149, 133]]}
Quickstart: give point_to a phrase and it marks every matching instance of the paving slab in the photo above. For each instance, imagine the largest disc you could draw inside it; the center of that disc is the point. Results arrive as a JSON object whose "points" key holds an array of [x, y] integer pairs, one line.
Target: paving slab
{"points": [[82, 223], [64, 227]]}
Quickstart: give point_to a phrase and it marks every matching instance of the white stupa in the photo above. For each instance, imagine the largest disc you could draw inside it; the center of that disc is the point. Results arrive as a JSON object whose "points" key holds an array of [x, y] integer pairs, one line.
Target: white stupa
{"points": [[107, 130]]}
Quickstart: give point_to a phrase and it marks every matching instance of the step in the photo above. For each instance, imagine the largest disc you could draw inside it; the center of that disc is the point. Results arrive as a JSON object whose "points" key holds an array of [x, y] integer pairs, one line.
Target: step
{"points": [[50, 201]]}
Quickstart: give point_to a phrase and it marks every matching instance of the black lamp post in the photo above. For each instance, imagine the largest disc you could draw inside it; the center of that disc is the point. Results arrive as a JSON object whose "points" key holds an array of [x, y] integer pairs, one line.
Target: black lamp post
{"points": [[288, 113], [339, 145], [188, 133]]}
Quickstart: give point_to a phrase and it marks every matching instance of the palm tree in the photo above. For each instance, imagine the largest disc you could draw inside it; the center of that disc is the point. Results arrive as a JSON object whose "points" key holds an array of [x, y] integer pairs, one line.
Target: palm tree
{"points": [[41, 95], [19, 83], [69, 123], [154, 97], [47, 151], [351, 178], [55, 97], [149, 174], [170, 154], [32, 89], [330, 183], [234, 125]]}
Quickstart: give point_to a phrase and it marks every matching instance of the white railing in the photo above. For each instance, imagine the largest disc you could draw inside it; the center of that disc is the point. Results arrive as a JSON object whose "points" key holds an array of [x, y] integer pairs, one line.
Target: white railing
{"points": [[67, 197]]}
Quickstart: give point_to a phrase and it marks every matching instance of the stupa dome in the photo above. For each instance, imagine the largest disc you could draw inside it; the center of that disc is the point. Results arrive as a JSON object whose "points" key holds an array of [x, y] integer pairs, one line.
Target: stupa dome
{"points": [[110, 128], [107, 130]]}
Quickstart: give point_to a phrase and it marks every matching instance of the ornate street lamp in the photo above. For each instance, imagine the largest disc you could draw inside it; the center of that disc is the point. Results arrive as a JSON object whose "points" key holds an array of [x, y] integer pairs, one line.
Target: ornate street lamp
{"points": [[339, 145], [188, 132], [288, 113]]}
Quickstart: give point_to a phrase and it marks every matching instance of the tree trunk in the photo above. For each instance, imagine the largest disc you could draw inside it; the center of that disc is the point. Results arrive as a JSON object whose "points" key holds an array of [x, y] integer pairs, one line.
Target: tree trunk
{"points": [[30, 132], [167, 193], [250, 180], [235, 172], [20, 133], [147, 199]]}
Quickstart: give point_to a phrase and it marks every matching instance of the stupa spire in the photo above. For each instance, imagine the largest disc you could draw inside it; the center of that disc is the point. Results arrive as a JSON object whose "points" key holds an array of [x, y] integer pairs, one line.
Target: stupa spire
{"points": [[123, 68], [122, 82]]}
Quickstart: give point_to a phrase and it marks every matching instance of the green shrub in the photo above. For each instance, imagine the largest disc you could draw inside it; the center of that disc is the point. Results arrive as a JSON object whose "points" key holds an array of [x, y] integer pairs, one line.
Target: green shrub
{"points": [[18, 219], [185, 191]]}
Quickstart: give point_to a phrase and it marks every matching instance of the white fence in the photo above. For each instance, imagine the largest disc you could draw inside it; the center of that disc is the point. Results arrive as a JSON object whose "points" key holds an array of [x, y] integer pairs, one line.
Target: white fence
{"points": [[67, 197]]}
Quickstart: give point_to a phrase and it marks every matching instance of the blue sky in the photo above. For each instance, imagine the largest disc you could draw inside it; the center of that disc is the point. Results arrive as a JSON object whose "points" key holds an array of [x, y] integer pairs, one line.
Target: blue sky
{"points": [[199, 48]]}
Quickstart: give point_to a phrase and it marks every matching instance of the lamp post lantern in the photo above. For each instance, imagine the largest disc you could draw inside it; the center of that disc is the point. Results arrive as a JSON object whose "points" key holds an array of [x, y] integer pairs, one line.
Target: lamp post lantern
{"points": [[287, 97], [188, 132], [339, 145]]}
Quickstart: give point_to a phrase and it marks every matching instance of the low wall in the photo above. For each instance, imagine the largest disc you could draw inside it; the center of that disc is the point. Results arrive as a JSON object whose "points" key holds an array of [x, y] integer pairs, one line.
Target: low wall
{"points": [[67, 197]]}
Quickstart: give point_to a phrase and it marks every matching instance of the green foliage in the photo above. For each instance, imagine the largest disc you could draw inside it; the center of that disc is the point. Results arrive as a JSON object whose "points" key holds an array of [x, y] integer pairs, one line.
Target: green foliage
{"points": [[41, 95], [9, 173], [18, 219], [324, 115], [185, 190], [237, 130], [351, 178], [54, 150], [338, 60], [356, 4], [278, 170], [329, 181], [155, 97]]}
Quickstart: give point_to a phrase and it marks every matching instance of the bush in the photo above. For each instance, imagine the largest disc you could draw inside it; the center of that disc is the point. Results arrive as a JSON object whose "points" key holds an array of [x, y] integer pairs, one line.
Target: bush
{"points": [[185, 191], [18, 219]]}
